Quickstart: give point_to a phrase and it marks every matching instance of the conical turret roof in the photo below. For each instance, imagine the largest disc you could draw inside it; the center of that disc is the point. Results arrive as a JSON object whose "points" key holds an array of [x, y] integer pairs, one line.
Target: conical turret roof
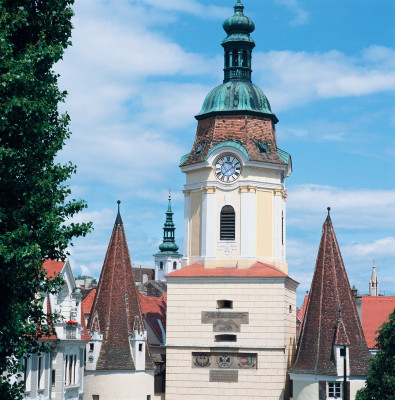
{"points": [[331, 317], [116, 305]]}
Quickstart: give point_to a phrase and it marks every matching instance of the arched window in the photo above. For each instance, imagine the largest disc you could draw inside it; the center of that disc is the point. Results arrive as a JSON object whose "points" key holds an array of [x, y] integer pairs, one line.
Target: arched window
{"points": [[227, 223], [228, 57], [245, 59], [235, 58], [175, 265], [161, 265]]}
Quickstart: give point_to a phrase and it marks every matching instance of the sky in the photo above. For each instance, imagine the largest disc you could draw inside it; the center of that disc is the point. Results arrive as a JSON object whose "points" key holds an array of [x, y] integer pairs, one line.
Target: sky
{"points": [[139, 70]]}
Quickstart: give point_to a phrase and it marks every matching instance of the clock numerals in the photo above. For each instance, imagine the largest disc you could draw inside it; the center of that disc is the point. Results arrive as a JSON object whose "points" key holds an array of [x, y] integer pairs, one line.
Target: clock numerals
{"points": [[228, 169]]}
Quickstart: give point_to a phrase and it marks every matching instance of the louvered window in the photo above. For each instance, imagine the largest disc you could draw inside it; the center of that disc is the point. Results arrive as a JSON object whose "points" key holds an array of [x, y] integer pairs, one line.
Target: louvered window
{"points": [[227, 228]]}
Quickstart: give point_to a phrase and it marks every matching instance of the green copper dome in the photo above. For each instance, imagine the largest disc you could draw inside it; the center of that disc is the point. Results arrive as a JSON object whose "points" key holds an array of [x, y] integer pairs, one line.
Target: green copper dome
{"points": [[235, 96]]}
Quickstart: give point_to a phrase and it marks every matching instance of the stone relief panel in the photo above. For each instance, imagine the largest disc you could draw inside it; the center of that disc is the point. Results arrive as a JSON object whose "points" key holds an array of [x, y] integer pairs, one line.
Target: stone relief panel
{"points": [[224, 360]]}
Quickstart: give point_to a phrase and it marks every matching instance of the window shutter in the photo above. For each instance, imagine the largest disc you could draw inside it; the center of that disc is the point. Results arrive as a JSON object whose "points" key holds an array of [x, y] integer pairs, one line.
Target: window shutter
{"points": [[227, 224], [322, 390]]}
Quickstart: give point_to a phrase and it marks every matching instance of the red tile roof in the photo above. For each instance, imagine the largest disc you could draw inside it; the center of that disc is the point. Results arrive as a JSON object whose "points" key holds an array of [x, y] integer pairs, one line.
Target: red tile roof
{"points": [[116, 305], [375, 311], [53, 267], [302, 310], [330, 291], [154, 308], [88, 301], [258, 270]]}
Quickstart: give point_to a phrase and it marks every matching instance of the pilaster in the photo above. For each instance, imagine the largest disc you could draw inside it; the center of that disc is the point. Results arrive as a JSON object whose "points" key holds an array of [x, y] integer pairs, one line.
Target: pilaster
{"points": [[208, 215], [248, 222], [187, 216]]}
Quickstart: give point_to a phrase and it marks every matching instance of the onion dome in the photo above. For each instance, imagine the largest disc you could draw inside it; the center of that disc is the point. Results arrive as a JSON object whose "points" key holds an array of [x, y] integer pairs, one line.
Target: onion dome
{"points": [[237, 94], [238, 23], [234, 97]]}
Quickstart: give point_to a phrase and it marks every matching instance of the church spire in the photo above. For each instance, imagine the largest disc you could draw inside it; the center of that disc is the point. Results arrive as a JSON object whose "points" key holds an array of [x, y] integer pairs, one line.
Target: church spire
{"points": [[238, 45], [169, 244], [374, 283], [331, 317]]}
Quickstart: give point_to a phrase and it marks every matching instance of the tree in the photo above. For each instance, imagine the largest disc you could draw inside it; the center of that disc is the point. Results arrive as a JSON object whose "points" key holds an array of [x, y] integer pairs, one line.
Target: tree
{"points": [[380, 382], [83, 277], [35, 204]]}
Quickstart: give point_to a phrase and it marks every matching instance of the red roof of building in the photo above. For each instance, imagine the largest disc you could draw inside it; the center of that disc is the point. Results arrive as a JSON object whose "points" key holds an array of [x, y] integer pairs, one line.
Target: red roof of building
{"points": [[87, 303], [258, 270], [154, 309], [375, 311], [53, 268], [302, 310], [116, 305], [330, 316]]}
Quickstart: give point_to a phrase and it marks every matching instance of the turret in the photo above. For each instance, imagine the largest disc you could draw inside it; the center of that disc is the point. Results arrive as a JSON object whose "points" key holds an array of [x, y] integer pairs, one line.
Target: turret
{"points": [[374, 283], [138, 343]]}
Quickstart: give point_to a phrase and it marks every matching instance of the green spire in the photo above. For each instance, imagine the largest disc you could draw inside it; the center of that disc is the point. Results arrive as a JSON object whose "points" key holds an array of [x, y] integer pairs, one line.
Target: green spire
{"points": [[238, 45], [169, 245]]}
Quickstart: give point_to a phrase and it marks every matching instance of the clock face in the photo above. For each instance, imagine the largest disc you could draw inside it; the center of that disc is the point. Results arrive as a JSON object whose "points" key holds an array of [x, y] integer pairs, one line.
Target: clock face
{"points": [[227, 168]]}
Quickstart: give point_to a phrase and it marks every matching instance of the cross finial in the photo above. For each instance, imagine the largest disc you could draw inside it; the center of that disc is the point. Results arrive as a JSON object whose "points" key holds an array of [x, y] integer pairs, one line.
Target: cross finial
{"points": [[119, 202]]}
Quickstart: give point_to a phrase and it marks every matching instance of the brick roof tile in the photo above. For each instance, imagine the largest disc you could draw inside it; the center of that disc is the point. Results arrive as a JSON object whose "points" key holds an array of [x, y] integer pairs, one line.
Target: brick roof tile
{"points": [[258, 270], [330, 291], [116, 304]]}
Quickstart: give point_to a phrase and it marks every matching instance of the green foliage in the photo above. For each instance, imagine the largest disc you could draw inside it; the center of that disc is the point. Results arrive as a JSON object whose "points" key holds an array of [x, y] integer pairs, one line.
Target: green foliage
{"points": [[34, 195], [83, 277], [380, 383]]}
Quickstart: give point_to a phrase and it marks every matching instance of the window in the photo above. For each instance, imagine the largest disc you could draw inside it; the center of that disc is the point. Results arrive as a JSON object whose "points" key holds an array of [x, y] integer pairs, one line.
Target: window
{"points": [[225, 338], [290, 308], [95, 397], [227, 223], [26, 373], [334, 390], [291, 388], [244, 60], [70, 371], [91, 346], [53, 377], [148, 397], [342, 352], [161, 265], [140, 347], [225, 304], [40, 373], [235, 58], [175, 265]]}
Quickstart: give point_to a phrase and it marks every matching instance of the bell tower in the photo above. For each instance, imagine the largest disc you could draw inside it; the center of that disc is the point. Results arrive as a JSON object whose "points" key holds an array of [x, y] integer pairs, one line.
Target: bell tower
{"points": [[231, 309], [235, 192]]}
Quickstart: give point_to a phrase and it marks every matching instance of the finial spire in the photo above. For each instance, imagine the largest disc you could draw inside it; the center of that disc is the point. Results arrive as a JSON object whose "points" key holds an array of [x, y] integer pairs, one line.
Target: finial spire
{"points": [[169, 193], [118, 220], [328, 218]]}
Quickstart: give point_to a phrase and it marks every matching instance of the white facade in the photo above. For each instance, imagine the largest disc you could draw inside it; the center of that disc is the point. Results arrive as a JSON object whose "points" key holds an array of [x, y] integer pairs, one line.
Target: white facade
{"points": [[258, 198], [59, 374], [166, 263]]}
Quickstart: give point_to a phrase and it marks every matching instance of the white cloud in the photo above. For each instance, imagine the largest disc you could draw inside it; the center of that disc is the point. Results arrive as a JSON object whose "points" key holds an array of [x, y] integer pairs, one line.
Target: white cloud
{"points": [[351, 208], [301, 77], [301, 16], [380, 247]]}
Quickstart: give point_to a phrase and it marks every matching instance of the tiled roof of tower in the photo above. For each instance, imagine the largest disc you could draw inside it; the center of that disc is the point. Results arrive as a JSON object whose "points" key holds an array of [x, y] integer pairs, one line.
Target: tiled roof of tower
{"points": [[330, 292], [258, 270], [375, 311], [88, 301], [256, 134], [116, 304]]}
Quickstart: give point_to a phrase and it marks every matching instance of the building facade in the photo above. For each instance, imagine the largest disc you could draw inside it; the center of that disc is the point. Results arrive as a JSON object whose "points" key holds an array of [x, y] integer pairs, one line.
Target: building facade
{"points": [[231, 309]]}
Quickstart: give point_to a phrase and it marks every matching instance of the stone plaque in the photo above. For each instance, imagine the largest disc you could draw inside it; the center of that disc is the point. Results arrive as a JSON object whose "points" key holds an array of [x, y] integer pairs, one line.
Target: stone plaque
{"points": [[224, 360], [225, 321], [224, 375]]}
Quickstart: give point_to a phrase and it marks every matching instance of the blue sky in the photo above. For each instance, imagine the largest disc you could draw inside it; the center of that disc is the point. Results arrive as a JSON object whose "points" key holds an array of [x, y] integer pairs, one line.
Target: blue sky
{"points": [[138, 72]]}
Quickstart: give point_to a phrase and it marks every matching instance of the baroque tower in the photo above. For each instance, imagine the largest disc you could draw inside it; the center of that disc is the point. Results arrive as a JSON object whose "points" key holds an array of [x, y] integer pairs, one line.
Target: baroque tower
{"points": [[231, 307], [235, 194]]}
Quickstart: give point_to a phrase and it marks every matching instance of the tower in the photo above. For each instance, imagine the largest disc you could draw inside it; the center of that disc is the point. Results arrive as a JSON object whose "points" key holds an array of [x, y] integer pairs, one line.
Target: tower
{"points": [[118, 356], [168, 258], [331, 343], [234, 210], [374, 283], [231, 309]]}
